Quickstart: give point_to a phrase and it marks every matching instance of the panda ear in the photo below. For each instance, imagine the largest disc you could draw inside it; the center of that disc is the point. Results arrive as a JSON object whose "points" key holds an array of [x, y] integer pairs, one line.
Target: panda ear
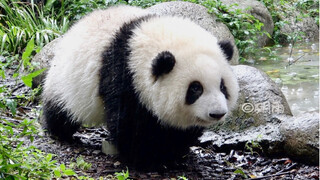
{"points": [[227, 49], [163, 63]]}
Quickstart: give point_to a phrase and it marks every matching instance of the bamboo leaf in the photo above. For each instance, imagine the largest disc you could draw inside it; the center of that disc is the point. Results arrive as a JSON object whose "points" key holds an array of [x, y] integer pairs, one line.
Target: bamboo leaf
{"points": [[27, 80], [27, 53]]}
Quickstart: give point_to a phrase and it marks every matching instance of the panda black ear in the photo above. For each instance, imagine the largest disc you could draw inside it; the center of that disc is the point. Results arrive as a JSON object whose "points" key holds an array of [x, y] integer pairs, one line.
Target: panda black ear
{"points": [[163, 63], [227, 49]]}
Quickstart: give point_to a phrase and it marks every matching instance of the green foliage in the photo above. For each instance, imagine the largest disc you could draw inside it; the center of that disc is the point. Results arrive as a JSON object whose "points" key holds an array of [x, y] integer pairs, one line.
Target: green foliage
{"points": [[27, 80], [244, 27], [122, 175], [296, 9], [21, 22], [241, 172], [81, 164], [7, 104], [182, 178], [72, 10], [18, 161], [12, 105], [254, 145], [145, 3]]}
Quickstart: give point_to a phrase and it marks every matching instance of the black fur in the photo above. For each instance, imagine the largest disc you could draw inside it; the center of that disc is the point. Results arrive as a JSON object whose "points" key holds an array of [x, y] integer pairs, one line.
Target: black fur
{"points": [[194, 91], [227, 49], [163, 64], [140, 139], [224, 89], [58, 121]]}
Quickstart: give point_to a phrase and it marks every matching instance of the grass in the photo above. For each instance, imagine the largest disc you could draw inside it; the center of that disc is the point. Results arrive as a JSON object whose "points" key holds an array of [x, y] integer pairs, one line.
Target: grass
{"points": [[22, 22]]}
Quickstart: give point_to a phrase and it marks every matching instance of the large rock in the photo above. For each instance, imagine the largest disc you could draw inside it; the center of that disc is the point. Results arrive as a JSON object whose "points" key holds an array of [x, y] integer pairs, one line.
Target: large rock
{"points": [[268, 137], [199, 15], [263, 117], [43, 59], [301, 137], [259, 99], [306, 25], [284, 136], [259, 11], [295, 21]]}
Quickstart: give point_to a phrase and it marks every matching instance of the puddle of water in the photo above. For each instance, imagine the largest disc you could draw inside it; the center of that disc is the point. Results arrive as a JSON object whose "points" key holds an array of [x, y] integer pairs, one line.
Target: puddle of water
{"points": [[299, 81]]}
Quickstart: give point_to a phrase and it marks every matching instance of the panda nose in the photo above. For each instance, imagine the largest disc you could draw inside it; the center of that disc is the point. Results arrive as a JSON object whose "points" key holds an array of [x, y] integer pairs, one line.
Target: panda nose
{"points": [[216, 116]]}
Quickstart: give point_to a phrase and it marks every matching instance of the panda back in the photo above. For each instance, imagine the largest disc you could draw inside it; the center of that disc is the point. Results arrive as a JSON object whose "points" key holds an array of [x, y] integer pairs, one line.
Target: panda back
{"points": [[72, 81]]}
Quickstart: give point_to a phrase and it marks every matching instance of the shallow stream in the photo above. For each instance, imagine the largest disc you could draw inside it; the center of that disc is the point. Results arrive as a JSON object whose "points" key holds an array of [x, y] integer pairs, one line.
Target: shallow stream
{"points": [[296, 73]]}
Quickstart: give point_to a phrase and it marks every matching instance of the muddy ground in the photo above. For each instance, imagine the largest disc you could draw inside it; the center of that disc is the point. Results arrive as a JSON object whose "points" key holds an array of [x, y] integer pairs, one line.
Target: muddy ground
{"points": [[200, 163]]}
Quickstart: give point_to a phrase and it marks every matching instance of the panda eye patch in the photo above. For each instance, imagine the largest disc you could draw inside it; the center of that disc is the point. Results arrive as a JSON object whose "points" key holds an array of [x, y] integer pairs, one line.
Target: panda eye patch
{"points": [[195, 90], [223, 89]]}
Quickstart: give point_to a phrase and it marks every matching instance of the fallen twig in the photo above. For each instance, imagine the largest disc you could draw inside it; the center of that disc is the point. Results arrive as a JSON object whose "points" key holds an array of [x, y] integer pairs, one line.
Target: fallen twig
{"points": [[292, 62]]}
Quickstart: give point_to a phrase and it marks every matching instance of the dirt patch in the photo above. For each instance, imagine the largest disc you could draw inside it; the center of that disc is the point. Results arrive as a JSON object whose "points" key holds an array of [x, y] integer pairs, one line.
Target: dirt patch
{"points": [[200, 163]]}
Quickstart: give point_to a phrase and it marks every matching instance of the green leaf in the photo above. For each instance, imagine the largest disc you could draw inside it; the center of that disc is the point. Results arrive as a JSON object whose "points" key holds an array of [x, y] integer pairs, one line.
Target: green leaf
{"points": [[15, 75], [27, 53], [12, 105], [69, 172], [27, 80], [2, 74], [2, 105], [240, 171], [63, 167], [49, 4], [49, 157], [57, 173], [38, 49], [2, 89]]}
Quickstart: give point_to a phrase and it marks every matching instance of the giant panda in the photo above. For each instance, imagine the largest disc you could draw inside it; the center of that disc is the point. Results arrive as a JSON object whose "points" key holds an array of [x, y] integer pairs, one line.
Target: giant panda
{"points": [[156, 81]]}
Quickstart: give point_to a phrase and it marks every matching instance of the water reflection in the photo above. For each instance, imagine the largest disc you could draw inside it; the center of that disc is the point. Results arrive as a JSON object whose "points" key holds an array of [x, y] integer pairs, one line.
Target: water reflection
{"points": [[299, 81]]}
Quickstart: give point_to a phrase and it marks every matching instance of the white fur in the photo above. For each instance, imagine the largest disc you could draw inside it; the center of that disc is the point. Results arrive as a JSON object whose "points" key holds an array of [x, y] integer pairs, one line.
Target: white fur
{"points": [[72, 79], [198, 57]]}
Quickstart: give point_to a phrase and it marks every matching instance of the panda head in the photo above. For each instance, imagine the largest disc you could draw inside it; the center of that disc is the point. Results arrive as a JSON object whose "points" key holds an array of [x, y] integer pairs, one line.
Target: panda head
{"points": [[181, 72]]}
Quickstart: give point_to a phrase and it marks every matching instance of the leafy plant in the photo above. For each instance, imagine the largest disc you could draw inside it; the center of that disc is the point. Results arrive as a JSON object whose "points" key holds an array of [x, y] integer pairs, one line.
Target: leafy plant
{"points": [[18, 161], [81, 164], [21, 22], [7, 104], [244, 27], [254, 145], [63, 171], [122, 175], [281, 10], [74, 10]]}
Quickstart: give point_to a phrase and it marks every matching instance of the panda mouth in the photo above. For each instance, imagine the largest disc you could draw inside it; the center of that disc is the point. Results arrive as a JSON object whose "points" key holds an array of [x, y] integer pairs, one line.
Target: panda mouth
{"points": [[203, 122]]}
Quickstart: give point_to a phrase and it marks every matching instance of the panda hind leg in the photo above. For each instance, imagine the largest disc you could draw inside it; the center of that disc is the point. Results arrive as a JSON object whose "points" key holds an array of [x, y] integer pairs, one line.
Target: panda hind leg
{"points": [[58, 123]]}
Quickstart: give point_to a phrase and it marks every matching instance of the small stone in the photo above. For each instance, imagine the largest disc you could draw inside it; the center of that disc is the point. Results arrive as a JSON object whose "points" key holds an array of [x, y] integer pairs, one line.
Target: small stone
{"points": [[109, 148], [3, 59], [301, 137], [219, 170], [96, 152], [117, 163]]}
